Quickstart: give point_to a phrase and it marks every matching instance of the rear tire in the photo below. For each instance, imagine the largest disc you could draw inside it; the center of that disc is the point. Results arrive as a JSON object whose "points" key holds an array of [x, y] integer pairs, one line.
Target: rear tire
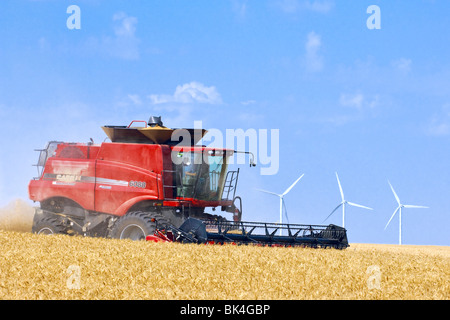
{"points": [[48, 226], [137, 225]]}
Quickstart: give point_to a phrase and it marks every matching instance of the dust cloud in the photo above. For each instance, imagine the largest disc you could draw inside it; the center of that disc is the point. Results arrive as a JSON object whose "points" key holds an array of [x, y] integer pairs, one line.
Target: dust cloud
{"points": [[17, 216]]}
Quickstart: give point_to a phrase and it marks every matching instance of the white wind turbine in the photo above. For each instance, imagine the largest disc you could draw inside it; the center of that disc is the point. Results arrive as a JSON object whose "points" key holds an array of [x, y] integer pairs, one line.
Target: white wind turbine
{"points": [[281, 196], [399, 209], [343, 203]]}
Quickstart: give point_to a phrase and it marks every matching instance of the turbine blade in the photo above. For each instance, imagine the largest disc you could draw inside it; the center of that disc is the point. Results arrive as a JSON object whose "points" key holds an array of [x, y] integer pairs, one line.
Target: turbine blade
{"points": [[393, 191], [340, 187], [275, 194], [289, 189], [412, 206], [334, 211], [358, 205], [392, 217]]}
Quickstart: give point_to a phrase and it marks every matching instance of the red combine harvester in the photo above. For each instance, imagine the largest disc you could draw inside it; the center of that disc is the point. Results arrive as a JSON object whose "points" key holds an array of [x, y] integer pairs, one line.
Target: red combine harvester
{"points": [[152, 182]]}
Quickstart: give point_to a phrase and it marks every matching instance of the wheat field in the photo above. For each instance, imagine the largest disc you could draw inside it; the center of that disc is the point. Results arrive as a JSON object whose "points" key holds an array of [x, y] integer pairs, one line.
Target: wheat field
{"points": [[64, 267]]}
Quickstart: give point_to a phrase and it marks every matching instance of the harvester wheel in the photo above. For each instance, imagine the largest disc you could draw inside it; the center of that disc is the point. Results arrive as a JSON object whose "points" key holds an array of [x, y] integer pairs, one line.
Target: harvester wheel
{"points": [[137, 225], [48, 226]]}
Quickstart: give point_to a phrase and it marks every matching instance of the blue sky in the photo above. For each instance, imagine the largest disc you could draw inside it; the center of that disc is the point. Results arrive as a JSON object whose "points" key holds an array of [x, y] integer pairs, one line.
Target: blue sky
{"points": [[371, 105]]}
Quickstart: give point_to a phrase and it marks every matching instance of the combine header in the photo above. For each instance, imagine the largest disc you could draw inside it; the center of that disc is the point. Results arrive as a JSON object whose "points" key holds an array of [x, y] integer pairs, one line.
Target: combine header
{"points": [[255, 233], [153, 182]]}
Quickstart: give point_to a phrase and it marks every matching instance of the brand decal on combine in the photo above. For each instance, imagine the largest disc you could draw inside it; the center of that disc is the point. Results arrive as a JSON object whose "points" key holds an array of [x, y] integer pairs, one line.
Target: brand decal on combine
{"points": [[71, 179]]}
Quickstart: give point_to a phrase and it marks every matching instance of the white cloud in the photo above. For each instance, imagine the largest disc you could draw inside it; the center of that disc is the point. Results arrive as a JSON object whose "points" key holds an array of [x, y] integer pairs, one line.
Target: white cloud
{"points": [[181, 108], [124, 44], [318, 6], [43, 44], [402, 64], [135, 98], [349, 100], [126, 26], [193, 92], [339, 120], [439, 124], [313, 59], [294, 6], [239, 8], [248, 102], [358, 101], [288, 6], [358, 107], [438, 127], [250, 117]]}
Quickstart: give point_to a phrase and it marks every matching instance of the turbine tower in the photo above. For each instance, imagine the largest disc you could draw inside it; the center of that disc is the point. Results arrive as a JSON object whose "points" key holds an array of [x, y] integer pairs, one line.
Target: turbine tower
{"points": [[399, 209], [282, 203], [343, 203]]}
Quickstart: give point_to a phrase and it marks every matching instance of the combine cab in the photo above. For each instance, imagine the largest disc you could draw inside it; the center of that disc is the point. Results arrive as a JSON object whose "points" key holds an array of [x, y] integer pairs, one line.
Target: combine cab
{"points": [[149, 178]]}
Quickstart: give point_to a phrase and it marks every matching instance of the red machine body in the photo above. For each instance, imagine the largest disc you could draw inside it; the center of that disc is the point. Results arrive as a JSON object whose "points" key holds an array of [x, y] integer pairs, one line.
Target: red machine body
{"points": [[84, 185], [112, 177]]}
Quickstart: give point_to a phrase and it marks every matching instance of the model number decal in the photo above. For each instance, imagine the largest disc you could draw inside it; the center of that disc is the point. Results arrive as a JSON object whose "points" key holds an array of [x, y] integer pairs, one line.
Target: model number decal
{"points": [[137, 184]]}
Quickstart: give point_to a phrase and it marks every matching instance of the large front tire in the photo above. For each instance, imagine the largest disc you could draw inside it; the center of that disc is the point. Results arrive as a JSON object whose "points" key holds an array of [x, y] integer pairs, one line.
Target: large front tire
{"points": [[48, 225], [137, 225]]}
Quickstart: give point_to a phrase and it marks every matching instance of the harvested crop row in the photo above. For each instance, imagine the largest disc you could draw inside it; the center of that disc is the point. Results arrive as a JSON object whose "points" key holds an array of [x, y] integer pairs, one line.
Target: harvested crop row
{"points": [[62, 267]]}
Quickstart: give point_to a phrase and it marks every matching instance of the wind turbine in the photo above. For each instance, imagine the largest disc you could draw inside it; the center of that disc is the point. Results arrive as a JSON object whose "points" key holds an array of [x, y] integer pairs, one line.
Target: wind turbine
{"points": [[281, 196], [399, 209], [343, 203]]}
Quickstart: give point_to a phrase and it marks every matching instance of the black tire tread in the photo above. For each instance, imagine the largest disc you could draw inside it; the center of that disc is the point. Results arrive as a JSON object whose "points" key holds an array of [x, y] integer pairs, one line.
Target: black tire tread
{"points": [[49, 222], [144, 217]]}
